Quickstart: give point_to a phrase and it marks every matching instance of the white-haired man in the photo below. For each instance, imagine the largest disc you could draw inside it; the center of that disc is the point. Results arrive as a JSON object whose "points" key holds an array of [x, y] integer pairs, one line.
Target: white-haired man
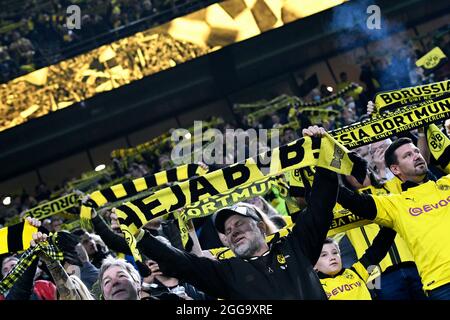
{"points": [[119, 280]]}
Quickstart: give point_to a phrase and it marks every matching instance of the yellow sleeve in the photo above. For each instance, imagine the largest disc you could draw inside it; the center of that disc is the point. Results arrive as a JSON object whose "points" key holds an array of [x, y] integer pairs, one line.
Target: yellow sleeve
{"points": [[360, 270], [386, 210]]}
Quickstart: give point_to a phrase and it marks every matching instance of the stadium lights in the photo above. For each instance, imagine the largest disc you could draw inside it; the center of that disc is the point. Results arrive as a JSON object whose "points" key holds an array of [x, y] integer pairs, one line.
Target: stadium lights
{"points": [[100, 167], [7, 201]]}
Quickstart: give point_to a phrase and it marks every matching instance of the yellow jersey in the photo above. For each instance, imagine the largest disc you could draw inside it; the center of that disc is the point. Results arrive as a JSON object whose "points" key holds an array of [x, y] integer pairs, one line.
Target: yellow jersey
{"points": [[421, 215], [361, 238], [349, 284]]}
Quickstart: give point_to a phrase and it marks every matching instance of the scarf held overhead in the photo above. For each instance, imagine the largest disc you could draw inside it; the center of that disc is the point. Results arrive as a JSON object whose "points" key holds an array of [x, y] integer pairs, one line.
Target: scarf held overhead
{"points": [[31, 254], [53, 207], [389, 100], [325, 152], [16, 238], [131, 188], [392, 123]]}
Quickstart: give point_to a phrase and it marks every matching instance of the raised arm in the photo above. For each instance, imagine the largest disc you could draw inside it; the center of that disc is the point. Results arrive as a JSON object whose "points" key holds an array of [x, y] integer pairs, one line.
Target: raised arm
{"points": [[204, 273], [422, 144], [113, 240], [360, 204], [64, 285], [312, 224], [23, 287]]}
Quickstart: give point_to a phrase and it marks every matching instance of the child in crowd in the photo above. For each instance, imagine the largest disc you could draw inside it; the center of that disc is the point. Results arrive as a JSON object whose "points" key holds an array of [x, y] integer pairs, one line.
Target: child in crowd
{"points": [[350, 284]]}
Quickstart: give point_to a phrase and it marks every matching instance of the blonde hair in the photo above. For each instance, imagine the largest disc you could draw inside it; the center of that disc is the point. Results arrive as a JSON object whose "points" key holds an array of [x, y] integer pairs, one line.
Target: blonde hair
{"points": [[81, 288]]}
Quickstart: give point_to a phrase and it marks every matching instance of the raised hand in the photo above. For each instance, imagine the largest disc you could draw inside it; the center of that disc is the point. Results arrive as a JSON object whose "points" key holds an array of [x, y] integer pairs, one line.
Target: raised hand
{"points": [[314, 131], [33, 221], [371, 107], [114, 220], [154, 271], [37, 237], [203, 165]]}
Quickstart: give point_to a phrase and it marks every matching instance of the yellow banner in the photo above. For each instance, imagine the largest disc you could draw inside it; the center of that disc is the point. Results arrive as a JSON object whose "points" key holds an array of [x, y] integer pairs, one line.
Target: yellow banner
{"points": [[432, 59], [53, 207], [389, 100], [303, 152], [393, 123]]}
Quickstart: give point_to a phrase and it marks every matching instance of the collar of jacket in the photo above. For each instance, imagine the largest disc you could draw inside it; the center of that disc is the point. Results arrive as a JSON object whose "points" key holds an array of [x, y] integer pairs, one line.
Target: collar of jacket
{"points": [[256, 257]]}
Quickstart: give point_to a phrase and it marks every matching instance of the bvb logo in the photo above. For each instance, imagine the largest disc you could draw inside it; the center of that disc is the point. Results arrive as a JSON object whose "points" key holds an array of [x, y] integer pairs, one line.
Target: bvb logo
{"points": [[432, 62], [281, 259], [348, 275], [436, 142], [131, 243], [129, 237], [337, 157]]}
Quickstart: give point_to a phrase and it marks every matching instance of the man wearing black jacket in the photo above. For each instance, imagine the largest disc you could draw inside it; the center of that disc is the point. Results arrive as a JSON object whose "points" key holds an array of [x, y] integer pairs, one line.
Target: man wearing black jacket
{"points": [[281, 269]]}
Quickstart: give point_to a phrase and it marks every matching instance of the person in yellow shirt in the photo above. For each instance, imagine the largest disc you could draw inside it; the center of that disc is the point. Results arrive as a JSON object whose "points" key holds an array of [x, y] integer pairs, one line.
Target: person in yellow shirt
{"points": [[397, 272], [350, 283], [398, 275], [420, 214]]}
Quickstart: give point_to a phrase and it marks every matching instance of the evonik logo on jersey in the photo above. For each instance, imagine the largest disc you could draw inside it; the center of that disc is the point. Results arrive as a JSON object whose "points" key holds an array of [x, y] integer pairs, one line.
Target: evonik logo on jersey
{"points": [[417, 211]]}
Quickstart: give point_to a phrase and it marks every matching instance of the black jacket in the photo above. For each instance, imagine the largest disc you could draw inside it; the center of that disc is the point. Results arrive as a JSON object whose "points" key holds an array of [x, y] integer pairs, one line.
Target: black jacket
{"points": [[284, 272]]}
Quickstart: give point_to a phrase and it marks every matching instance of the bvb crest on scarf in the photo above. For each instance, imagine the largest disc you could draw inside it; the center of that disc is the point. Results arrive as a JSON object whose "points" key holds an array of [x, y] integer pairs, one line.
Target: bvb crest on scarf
{"points": [[432, 59], [281, 259], [337, 157], [436, 140]]}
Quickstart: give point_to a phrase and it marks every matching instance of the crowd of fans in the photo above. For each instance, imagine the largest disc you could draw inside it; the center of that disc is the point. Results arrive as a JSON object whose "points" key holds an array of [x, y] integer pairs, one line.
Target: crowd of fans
{"points": [[91, 268], [374, 76], [38, 37]]}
